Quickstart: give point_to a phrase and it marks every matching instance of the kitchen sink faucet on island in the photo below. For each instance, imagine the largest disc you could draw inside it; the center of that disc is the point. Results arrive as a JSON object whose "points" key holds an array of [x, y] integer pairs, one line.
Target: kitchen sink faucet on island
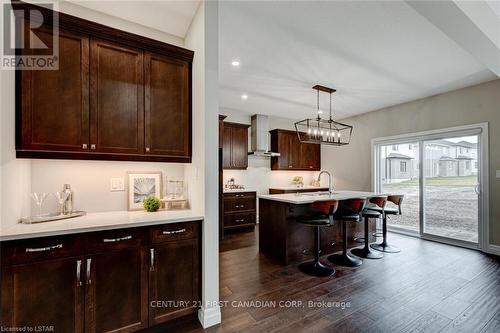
{"points": [[330, 184]]}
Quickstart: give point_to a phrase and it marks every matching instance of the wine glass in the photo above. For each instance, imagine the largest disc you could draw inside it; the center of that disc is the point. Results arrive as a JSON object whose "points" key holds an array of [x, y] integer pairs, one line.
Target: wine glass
{"points": [[61, 198], [39, 198]]}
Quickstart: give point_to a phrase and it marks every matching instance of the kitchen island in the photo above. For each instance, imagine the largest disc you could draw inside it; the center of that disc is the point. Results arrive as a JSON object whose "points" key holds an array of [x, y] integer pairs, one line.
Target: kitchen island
{"points": [[286, 241]]}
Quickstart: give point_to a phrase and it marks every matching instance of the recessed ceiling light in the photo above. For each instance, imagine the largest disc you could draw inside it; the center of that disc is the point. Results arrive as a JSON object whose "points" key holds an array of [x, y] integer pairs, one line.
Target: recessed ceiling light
{"points": [[244, 96], [235, 63]]}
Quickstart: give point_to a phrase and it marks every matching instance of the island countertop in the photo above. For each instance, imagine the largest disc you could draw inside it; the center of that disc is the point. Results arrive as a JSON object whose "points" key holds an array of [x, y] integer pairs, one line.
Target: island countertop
{"points": [[96, 222], [307, 198]]}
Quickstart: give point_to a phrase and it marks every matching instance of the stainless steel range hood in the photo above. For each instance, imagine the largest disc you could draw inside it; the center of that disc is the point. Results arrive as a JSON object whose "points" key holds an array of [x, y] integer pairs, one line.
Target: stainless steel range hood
{"points": [[260, 137]]}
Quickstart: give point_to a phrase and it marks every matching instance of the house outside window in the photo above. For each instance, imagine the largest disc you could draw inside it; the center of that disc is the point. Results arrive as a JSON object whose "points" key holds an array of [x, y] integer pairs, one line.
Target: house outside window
{"points": [[395, 147], [467, 164], [402, 166]]}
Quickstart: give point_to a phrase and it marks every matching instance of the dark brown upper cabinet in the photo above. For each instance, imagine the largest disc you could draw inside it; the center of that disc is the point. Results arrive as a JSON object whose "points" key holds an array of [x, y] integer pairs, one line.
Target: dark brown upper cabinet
{"points": [[293, 154], [115, 96], [235, 146], [168, 116], [55, 103]]}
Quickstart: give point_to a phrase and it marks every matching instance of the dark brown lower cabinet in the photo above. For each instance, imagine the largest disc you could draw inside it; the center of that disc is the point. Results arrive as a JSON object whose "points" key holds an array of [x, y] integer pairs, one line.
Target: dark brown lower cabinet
{"points": [[104, 281], [174, 280], [43, 294]]}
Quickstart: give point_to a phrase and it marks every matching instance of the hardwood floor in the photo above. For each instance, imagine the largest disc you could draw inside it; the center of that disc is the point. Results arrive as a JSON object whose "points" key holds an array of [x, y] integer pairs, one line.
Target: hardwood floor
{"points": [[428, 287]]}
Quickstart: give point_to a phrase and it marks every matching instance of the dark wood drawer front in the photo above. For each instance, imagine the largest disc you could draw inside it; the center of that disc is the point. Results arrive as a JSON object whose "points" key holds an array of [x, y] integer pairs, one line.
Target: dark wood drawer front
{"points": [[240, 204], [235, 220], [240, 195], [112, 240], [39, 249], [173, 232]]}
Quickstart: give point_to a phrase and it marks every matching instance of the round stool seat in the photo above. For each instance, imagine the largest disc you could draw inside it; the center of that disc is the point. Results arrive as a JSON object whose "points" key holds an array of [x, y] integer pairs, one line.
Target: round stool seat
{"points": [[387, 210], [346, 217], [371, 214], [316, 220]]}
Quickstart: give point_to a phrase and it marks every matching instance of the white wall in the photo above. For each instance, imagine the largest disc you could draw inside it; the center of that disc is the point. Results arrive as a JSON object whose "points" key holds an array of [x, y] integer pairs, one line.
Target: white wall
{"points": [[351, 165], [202, 37], [89, 179]]}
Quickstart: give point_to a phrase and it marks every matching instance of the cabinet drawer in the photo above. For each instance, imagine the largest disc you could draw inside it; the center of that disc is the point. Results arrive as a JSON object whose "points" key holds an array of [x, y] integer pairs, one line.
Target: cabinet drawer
{"points": [[239, 204], [104, 241], [236, 220], [240, 195], [173, 232], [39, 249]]}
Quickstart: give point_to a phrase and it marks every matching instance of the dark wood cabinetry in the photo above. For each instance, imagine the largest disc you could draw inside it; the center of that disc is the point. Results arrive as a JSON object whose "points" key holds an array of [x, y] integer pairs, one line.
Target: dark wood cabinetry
{"points": [[174, 274], [115, 96], [293, 154], [55, 103], [240, 209], [297, 190], [103, 281], [235, 146]]}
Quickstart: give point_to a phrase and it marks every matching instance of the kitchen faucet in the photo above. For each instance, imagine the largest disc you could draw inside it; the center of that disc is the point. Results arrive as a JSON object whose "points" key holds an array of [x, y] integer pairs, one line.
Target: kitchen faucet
{"points": [[330, 186]]}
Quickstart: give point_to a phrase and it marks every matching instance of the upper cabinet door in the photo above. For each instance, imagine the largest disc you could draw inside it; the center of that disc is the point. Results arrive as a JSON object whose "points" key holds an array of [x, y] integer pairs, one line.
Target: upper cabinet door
{"points": [[226, 147], [239, 155], [54, 105], [116, 99], [168, 107], [294, 154]]}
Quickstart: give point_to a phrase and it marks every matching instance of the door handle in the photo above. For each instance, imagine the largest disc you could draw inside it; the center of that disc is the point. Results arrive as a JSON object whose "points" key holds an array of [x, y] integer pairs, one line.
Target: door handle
{"points": [[78, 273], [43, 249], [152, 259], [477, 189], [89, 262]]}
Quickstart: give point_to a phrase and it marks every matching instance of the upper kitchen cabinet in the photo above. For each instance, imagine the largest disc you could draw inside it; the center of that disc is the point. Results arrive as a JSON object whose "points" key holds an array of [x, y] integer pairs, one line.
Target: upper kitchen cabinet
{"points": [[116, 99], [167, 107], [53, 105], [235, 146], [115, 96], [293, 154]]}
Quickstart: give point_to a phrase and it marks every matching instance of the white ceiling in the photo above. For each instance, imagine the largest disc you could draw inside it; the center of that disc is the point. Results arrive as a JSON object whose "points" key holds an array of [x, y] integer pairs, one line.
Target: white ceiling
{"points": [[375, 53], [170, 16]]}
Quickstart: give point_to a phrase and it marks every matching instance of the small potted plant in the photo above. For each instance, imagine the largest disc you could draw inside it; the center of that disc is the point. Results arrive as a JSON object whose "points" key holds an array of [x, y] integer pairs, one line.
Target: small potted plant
{"points": [[151, 204]]}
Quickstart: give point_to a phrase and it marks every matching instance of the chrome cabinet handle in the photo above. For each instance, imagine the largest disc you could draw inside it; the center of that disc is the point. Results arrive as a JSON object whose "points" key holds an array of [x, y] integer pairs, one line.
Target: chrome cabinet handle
{"points": [[240, 220], [113, 240], [78, 272], [92, 146], [173, 232], [89, 262], [152, 259], [42, 249], [84, 146]]}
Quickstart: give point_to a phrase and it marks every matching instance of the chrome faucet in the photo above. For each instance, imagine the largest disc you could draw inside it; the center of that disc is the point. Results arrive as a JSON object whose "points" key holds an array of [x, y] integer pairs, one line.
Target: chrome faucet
{"points": [[330, 185]]}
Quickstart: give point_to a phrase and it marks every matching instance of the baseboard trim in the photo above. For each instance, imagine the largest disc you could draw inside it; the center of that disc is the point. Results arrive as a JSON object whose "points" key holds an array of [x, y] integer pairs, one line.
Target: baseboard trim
{"points": [[209, 317], [493, 249]]}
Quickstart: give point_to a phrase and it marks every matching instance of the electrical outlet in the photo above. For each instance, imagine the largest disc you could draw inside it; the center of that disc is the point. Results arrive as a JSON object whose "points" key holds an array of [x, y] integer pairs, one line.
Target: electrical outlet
{"points": [[117, 184], [498, 173]]}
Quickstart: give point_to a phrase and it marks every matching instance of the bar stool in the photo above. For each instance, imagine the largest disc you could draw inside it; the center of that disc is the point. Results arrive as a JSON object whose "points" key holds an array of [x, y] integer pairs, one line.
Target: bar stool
{"points": [[349, 210], [384, 246], [366, 252], [324, 218]]}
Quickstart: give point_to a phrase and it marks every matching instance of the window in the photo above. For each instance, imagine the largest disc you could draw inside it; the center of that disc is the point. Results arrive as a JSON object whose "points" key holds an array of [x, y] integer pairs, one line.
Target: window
{"points": [[475, 165], [467, 165], [410, 147], [402, 166], [395, 147]]}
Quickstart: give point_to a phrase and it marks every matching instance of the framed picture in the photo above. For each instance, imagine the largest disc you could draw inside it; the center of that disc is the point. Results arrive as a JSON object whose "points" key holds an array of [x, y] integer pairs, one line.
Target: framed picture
{"points": [[142, 185]]}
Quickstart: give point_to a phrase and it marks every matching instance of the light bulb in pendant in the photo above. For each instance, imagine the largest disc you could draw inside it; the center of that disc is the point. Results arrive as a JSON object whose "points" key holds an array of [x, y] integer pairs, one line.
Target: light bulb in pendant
{"points": [[309, 130]]}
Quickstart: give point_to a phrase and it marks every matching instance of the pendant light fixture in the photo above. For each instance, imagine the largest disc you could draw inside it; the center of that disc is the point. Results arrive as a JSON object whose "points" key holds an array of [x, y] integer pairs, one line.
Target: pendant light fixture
{"points": [[323, 131]]}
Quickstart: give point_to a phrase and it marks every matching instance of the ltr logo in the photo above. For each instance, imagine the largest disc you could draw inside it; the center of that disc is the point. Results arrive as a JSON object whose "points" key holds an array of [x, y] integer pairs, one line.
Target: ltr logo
{"points": [[30, 35]]}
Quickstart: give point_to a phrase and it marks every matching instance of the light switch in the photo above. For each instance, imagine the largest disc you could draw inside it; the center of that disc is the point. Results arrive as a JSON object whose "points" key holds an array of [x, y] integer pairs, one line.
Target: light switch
{"points": [[498, 173], [117, 184]]}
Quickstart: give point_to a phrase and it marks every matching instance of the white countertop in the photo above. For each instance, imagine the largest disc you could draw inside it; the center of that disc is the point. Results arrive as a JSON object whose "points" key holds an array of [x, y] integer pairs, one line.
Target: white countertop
{"points": [[307, 198], [297, 187], [238, 190], [95, 222]]}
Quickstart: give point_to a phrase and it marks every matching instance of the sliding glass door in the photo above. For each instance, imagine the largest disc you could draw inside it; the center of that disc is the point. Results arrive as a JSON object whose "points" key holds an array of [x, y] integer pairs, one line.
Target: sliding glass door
{"points": [[440, 174], [451, 188]]}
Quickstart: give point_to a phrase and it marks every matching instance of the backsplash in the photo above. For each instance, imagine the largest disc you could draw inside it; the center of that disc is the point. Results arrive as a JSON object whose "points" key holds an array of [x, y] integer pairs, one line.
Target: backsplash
{"points": [[90, 181]]}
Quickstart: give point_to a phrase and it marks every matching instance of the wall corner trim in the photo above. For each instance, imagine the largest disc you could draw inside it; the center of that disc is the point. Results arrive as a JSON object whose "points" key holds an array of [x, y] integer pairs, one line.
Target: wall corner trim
{"points": [[209, 316]]}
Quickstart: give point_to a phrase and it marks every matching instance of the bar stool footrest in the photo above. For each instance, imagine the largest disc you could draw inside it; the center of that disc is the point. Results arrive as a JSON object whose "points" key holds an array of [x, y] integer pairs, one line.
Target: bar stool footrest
{"points": [[316, 269]]}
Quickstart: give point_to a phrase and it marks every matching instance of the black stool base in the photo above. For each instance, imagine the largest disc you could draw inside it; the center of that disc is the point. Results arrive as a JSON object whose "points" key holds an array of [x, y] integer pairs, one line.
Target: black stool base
{"points": [[382, 247], [344, 260], [316, 269], [367, 253]]}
